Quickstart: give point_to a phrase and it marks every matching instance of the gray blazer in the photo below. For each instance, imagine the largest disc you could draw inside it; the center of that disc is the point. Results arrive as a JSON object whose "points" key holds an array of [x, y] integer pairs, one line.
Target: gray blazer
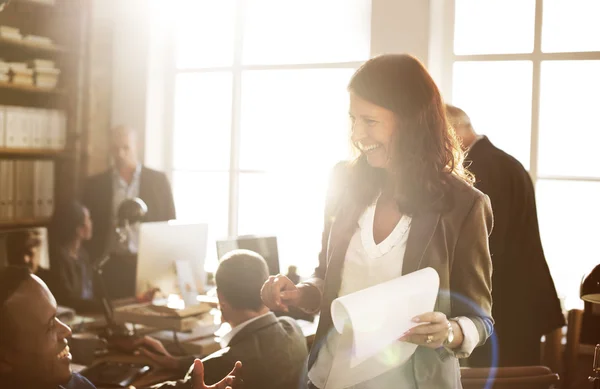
{"points": [[453, 242], [272, 351]]}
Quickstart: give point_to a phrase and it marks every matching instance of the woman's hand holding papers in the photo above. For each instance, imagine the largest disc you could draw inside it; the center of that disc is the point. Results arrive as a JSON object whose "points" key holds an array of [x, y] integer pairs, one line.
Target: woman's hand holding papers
{"points": [[434, 331]]}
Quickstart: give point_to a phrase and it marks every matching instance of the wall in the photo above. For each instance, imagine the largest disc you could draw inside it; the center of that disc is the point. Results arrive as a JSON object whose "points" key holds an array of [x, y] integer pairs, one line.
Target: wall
{"points": [[100, 87], [400, 26]]}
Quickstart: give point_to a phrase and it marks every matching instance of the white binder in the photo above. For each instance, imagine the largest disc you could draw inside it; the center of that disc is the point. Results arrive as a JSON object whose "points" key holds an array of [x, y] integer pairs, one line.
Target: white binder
{"points": [[45, 192], [62, 130], [10, 190], [37, 128], [29, 190], [38, 190], [46, 116], [19, 198], [3, 189], [2, 127], [13, 123]]}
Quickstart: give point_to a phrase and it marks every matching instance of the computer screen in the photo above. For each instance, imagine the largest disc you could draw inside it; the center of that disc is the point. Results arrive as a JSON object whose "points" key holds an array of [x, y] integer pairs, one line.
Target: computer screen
{"points": [[161, 245], [266, 246]]}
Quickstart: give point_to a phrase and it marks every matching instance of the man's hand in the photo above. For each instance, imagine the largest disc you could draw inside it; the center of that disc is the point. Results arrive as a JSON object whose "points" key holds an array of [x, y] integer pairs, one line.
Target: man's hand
{"points": [[228, 382], [155, 351]]}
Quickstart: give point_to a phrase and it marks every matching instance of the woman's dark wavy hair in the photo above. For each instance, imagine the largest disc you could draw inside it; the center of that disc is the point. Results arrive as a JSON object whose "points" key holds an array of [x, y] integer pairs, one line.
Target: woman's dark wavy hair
{"points": [[427, 154], [68, 216]]}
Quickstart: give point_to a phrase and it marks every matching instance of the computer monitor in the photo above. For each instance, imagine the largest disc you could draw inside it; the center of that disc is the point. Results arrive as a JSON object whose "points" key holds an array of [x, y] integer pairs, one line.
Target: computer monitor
{"points": [[161, 246], [266, 246]]}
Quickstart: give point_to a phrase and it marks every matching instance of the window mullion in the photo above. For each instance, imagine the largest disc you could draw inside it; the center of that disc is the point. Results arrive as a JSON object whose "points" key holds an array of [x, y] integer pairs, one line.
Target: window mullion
{"points": [[236, 108], [535, 92]]}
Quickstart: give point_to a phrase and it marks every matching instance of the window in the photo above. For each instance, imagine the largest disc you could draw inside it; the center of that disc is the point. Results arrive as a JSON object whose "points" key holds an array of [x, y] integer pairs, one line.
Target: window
{"points": [[260, 115], [526, 71]]}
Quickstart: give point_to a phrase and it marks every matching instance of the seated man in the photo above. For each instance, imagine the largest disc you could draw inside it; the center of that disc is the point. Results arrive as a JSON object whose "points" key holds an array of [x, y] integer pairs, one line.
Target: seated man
{"points": [[34, 351], [33, 342], [273, 350], [23, 249]]}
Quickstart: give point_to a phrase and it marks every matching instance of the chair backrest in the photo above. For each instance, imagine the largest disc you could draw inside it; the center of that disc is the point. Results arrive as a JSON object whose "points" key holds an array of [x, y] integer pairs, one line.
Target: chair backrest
{"points": [[574, 319], [527, 377]]}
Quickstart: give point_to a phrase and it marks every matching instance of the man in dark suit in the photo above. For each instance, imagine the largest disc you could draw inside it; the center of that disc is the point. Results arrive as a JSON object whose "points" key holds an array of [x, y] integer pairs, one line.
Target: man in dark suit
{"points": [[127, 179], [526, 305], [272, 350]]}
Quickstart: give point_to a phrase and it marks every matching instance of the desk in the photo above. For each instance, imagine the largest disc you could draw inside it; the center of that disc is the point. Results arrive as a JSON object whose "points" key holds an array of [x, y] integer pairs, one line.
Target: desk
{"points": [[153, 377], [202, 347]]}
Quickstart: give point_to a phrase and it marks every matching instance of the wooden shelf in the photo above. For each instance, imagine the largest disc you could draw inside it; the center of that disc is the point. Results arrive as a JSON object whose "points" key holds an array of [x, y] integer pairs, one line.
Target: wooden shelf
{"points": [[35, 3], [30, 47], [30, 89], [4, 225], [42, 153]]}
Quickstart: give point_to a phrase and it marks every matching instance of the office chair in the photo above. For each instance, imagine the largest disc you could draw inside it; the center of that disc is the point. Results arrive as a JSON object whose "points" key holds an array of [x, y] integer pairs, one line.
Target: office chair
{"points": [[526, 377]]}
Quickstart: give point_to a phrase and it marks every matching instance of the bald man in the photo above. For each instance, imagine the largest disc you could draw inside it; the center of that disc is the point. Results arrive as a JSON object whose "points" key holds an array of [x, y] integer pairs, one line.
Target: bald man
{"points": [[127, 179], [526, 305]]}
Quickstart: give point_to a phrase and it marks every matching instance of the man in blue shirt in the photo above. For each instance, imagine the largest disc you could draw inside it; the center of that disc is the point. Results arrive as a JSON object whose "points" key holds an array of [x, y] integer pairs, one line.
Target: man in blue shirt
{"points": [[126, 179], [34, 350]]}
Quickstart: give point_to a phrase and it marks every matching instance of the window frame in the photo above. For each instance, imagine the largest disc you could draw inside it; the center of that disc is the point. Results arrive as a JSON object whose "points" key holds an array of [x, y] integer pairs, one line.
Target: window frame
{"points": [[536, 57], [443, 39], [236, 70]]}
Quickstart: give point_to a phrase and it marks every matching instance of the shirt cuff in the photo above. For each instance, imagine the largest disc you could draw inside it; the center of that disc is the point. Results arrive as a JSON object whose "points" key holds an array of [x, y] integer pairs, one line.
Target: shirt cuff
{"points": [[470, 337], [316, 289]]}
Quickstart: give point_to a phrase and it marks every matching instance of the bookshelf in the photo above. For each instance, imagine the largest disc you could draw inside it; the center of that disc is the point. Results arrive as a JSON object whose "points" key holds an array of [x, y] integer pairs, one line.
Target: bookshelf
{"points": [[30, 48], [43, 129], [8, 87], [32, 153]]}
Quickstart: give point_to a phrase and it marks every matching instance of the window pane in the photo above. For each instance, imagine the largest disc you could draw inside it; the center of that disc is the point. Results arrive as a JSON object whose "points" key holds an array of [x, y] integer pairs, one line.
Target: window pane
{"points": [[264, 208], [205, 33], [497, 98], [202, 121], [569, 128], [494, 26], [569, 236], [294, 118], [204, 197], [308, 31], [571, 26]]}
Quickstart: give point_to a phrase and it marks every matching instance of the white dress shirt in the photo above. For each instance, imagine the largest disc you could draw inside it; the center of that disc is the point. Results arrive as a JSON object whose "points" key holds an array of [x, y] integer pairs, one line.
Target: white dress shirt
{"points": [[367, 264], [121, 192]]}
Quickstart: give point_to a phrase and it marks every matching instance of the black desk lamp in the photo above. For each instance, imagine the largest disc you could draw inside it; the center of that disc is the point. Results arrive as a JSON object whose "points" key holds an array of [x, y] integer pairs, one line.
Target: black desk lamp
{"points": [[590, 292], [130, 211]]}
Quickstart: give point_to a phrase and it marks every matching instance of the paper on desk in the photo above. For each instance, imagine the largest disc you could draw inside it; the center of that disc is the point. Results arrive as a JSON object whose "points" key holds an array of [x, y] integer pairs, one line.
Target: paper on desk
{"points": [[379, 315]]}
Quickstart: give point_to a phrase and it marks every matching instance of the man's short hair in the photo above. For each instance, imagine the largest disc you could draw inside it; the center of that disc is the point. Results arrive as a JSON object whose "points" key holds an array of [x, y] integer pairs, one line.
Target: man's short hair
{"points": [[11, 278], [456, 113], [20, 243], [240, 277], [122, 129]]}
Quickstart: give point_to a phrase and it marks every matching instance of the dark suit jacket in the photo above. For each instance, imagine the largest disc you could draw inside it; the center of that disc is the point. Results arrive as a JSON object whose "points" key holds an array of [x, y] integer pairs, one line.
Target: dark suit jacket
{"points": [[155, 190], [272, 351], [526, 305], [454, 243]]}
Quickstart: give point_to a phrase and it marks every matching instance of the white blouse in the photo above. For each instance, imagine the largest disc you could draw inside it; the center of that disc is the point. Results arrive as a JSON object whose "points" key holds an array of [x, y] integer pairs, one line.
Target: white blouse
{"points": [[367, 264]]}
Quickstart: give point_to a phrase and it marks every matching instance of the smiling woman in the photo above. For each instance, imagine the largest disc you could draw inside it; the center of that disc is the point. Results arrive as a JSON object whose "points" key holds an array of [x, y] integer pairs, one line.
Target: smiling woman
{"points": [[405, 203]]}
